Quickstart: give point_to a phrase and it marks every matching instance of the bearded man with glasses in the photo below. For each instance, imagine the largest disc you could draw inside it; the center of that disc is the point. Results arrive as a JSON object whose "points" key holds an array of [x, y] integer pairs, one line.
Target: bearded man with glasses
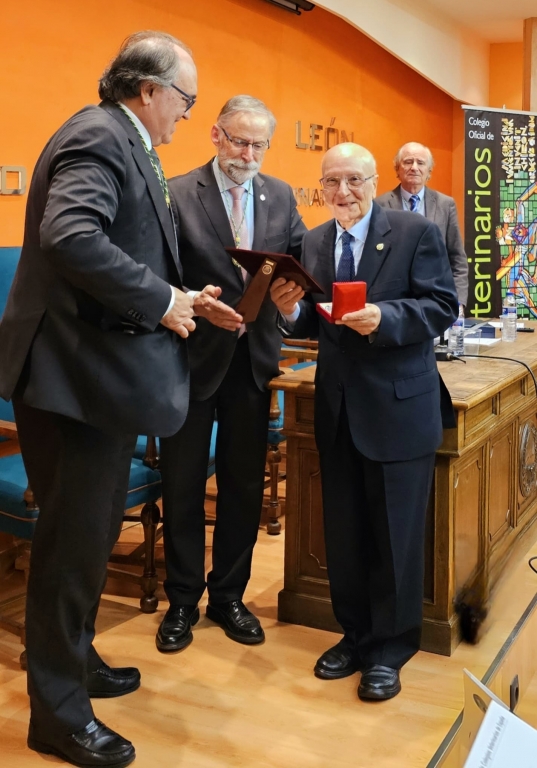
{"points": [[377, 413], [226, 202]]}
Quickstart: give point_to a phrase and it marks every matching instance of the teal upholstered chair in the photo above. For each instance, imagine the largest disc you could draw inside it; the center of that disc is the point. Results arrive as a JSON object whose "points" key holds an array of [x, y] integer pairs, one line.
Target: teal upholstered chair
{"points": [[274, 457], [145, 479]]}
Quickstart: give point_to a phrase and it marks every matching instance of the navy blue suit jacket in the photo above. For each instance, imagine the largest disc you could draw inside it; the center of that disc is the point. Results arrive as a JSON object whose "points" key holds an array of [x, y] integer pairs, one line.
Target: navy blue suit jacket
{"points": [[390, 382]]}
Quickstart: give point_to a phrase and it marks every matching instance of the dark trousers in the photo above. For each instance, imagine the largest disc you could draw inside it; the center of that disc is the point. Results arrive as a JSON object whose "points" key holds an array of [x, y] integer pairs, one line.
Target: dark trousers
{"points": [[80, 478], [242, 411], [374, 521]]}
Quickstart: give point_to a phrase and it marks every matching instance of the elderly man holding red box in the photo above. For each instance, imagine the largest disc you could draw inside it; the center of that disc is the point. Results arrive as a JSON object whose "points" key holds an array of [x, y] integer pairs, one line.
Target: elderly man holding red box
{"points": [[377, 413]]}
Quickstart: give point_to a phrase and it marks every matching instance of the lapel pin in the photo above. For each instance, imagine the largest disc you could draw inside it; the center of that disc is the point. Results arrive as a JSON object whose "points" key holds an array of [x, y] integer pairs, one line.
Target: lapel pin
{"points": [[262, 197], [380, 246]]}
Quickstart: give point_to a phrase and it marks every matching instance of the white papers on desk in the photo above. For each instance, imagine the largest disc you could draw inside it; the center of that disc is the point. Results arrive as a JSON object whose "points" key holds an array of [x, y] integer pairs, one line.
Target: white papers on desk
{"points": [[503, 741], [486, 341], [477, 700], [498, 324]]}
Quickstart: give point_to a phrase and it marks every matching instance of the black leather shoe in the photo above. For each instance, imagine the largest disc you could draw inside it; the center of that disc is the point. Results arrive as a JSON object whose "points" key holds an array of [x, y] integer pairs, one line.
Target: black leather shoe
{"points": [[175, 631], [94, 745], [238, 622], [379, 683], [336, 662], [109, 682]]}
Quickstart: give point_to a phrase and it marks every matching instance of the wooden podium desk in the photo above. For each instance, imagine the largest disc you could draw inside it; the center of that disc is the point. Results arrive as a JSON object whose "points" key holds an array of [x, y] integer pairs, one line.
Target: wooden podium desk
{"points": [[483, 501]]}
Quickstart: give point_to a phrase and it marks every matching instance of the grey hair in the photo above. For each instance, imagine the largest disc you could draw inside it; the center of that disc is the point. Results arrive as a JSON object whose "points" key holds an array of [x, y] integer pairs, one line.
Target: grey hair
{"points": [[397, 158], [244, 103], [144, 56]]}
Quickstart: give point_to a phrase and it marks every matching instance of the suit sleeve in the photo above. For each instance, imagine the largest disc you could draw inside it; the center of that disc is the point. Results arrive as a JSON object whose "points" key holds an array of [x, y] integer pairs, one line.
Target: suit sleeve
{"points": [[87, 179], [432, 305], [297, 229], [456, 254]]}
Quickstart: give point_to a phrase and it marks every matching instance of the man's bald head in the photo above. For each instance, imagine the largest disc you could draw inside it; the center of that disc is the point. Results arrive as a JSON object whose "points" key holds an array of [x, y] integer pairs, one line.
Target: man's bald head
{"points": [[350, 150], [349, 182]]}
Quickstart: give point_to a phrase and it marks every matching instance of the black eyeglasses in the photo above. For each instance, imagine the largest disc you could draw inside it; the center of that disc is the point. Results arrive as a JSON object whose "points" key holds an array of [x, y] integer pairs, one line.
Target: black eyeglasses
{"points": [[257, 146], [190, 100]]}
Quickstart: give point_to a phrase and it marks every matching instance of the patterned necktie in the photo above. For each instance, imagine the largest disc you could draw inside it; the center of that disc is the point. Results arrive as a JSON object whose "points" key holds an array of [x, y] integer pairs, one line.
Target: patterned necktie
{"points": [[345, 268], [240, 230], [238, 214], [414, 203]]}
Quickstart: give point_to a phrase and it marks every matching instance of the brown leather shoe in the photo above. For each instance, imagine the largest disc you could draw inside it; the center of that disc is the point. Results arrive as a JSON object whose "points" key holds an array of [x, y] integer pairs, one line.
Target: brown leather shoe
{"points": [[336, 662], [379, 683], [95, 745]]}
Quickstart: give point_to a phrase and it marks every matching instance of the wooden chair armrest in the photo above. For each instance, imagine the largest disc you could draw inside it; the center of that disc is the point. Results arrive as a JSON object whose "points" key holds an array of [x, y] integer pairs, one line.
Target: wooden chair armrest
{"points": [[8, 429], [310, 343]]}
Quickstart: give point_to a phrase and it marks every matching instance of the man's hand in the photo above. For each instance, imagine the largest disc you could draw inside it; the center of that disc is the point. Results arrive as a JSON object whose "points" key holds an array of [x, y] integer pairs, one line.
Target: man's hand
{"points": [[285, 294], [364, 321], [179, 317], [206, 305]]}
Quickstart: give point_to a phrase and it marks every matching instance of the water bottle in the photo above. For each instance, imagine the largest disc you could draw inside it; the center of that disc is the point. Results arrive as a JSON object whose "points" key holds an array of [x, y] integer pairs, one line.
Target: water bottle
{"points": [[509, 318], [456, 335]]}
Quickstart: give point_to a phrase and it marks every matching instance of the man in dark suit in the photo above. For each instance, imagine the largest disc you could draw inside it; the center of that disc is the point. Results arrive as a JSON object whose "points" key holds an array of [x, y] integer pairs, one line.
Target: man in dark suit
{"points": [[377, 413], [413, 166], [226, 202], [93, 352]]}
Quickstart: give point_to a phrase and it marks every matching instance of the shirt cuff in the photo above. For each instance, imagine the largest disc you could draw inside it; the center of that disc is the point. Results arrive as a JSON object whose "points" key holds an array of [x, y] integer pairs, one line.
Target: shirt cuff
{"points": [[172, 301], [293, 317]]}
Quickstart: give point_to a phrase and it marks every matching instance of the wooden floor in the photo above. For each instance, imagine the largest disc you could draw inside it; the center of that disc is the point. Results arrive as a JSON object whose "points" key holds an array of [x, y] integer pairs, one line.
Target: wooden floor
{"points": [[220, 704]]}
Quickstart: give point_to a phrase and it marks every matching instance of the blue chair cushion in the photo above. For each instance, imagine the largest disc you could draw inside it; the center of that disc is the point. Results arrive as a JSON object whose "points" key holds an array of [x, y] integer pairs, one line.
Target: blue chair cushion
{"points": [[15, 517], [9, 259], [141, 443], [144, 485]]}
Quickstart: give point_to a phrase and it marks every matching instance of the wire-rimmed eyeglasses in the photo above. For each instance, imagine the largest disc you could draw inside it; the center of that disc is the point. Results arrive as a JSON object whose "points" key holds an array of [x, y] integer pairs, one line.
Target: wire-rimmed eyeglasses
{"points": [[353, 182], [257, 146]]}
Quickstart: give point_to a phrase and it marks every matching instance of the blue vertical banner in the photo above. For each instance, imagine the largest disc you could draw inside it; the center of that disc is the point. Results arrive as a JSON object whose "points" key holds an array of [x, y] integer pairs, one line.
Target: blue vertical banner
{"points": [[500, 212]]}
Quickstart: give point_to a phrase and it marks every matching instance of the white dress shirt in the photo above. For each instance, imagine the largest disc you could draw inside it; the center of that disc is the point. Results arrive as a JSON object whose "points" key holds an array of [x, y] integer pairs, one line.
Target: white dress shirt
{"points": [[224, 185], [359, 232]]}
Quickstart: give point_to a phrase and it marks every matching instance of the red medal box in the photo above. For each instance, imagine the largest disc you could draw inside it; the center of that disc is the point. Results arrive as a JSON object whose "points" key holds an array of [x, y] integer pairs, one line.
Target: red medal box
{"points": [[346, 297]]}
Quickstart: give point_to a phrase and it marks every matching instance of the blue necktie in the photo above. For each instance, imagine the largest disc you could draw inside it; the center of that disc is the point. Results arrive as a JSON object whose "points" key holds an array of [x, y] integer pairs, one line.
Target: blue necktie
{"points": [[345, 268], [414, 203]]}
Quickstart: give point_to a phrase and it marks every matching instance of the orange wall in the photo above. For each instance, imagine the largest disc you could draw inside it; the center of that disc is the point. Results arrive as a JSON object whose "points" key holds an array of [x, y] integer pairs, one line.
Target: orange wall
{"points": [[310, 68], [506, 75]]}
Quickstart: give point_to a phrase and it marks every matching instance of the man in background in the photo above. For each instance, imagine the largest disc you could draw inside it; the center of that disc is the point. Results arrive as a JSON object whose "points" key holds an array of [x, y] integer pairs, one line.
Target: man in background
{"points": [[413, 165], [225, 203], [93, 352], [377, 413]]}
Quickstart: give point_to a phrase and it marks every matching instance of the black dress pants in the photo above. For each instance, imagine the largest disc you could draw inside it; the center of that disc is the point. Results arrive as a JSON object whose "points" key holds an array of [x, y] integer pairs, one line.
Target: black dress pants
{"points": [[242, 410], [79, 477], [374, 521]]}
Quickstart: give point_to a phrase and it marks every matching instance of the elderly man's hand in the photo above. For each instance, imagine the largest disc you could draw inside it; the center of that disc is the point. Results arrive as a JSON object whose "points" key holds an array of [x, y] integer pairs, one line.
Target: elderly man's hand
{"points": [[285, 294], [364, 321], [206, 305], [179, 317]]}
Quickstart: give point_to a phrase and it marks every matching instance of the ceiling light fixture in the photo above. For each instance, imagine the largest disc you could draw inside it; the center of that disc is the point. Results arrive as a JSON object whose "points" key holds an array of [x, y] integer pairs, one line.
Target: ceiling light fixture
{"points": [[293, 6]]}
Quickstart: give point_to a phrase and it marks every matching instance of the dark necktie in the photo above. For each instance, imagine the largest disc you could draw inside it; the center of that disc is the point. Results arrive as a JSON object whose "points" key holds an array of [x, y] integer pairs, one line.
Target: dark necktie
{"points": [[157, 167], [414, 203], [345, 268]]}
